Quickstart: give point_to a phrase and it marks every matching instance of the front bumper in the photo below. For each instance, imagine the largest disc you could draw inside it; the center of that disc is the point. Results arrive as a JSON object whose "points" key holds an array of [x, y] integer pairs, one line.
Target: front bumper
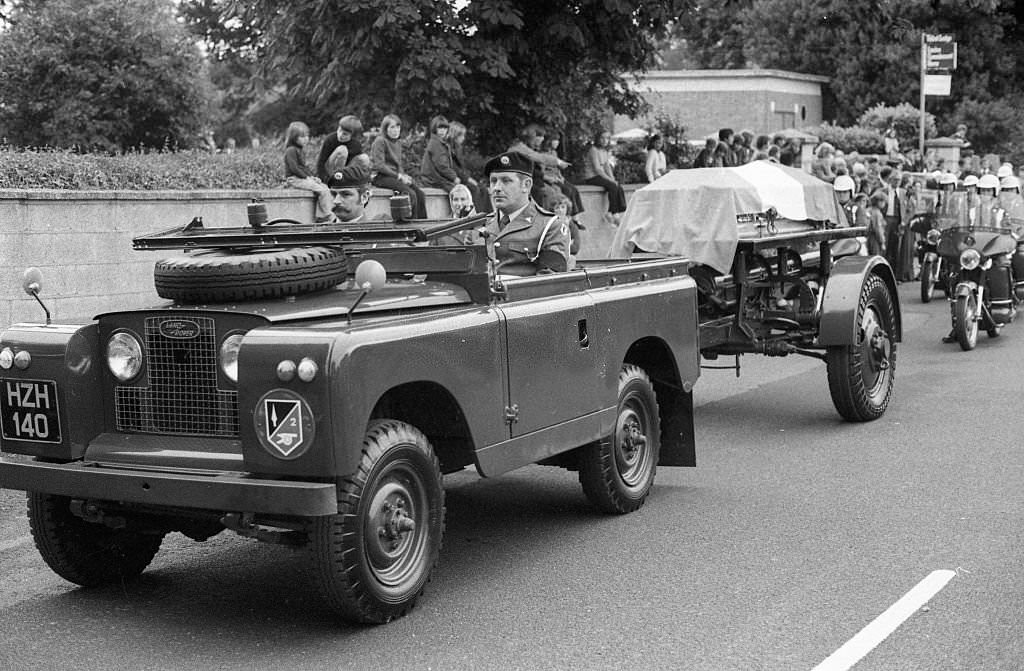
{"points": [[205, 490]]}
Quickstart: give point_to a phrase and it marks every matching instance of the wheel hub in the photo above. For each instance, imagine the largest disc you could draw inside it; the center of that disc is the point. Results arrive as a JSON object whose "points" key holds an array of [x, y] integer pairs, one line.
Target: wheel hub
{"points": [[392, 520]]}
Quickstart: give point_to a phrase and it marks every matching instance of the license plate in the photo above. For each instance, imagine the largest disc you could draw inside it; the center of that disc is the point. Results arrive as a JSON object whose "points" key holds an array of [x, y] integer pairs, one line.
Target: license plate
{"points": [[28, 410]]}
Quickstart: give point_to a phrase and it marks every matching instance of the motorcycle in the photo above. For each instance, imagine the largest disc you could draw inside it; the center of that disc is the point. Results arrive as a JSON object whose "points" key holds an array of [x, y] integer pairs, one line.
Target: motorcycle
{"points": [[982, 291], [934, 270]]}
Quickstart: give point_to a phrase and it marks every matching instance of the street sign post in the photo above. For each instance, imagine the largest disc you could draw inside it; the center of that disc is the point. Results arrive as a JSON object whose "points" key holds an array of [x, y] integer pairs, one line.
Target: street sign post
{"points": [[938, 60]]}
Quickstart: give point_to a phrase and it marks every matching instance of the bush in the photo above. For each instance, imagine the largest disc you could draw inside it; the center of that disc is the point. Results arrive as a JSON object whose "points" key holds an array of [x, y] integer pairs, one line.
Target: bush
{"points": [[182, 170], [855, 138], [905, 120]]}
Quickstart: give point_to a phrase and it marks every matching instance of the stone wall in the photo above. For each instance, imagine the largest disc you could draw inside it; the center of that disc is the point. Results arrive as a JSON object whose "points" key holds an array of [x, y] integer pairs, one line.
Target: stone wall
{"points": [[82, 240]]}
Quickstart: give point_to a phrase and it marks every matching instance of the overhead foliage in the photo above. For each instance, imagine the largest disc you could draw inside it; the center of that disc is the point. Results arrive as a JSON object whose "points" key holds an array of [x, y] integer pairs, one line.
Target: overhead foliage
{"points": [[104, 75], [868, 48], [496, 64]]}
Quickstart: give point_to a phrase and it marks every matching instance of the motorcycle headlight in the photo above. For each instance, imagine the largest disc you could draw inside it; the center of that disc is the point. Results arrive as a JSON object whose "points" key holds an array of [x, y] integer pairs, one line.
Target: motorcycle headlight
{"points": [[124, 355], [933, 235], [970, 259], [229, 355]]}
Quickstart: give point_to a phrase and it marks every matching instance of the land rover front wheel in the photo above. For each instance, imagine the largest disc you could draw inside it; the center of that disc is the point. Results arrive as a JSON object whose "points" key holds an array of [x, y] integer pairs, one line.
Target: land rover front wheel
{"points": [[617, 472], [372, 559], [861, 375], [86, 553]]}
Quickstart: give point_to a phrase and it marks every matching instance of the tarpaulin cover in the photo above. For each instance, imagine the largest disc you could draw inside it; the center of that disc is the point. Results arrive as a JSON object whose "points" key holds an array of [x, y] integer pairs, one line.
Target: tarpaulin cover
{"points": [[693, 212]]}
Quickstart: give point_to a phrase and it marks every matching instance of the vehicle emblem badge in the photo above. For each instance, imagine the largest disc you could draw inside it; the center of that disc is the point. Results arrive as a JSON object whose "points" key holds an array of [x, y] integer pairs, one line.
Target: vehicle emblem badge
{"points": [[179, 329], [284, 423]]}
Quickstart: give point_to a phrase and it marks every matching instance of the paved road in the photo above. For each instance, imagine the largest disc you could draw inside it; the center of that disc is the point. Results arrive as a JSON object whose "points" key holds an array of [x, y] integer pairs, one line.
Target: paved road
{"points": [[794, 533]]}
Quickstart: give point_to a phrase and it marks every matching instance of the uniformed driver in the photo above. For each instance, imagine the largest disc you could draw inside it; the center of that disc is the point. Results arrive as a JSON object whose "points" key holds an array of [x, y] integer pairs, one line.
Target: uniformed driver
{"points": [[524, 239]]}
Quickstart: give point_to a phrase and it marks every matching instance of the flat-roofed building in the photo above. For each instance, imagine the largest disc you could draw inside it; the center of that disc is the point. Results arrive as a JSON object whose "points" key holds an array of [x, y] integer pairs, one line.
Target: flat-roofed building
{"points": [[762, 101]]}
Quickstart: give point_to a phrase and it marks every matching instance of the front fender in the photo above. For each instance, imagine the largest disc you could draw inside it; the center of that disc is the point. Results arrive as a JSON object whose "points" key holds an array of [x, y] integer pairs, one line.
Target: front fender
{"points": [[967, 288], [838, 324]]}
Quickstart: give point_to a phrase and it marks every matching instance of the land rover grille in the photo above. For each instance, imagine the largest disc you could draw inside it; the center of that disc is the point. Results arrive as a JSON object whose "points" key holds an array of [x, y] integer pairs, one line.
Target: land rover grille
{"points": [[181, 396]]}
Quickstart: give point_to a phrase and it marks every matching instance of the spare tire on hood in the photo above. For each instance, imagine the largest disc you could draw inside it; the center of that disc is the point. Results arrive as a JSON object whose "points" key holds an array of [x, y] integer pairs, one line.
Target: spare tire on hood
{"points": [[217, 276]]}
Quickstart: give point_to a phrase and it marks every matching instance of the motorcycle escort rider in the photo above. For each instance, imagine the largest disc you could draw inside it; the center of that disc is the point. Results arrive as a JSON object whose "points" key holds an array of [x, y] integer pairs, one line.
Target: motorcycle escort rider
{"points": [[989, 214]]}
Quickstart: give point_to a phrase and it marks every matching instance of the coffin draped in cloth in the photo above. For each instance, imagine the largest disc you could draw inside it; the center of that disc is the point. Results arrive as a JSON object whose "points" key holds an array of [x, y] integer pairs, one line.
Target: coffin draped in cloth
{"points": [[702, 213]]}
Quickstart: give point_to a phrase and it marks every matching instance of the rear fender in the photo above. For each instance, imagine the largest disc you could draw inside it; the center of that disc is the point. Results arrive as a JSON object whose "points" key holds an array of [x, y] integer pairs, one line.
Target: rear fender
{"points": [[838, 325]]}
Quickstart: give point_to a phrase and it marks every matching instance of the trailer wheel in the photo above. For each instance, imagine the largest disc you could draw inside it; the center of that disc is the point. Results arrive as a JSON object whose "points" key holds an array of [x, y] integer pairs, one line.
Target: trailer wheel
{"points": [[617, 473], [372, 559], [861, 375], [215, 276], [965, 321], [85, 553]]}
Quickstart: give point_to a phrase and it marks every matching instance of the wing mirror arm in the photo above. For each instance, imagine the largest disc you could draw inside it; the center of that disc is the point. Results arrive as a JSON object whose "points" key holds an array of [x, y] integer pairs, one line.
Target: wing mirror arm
{"points": [[32, 283]]}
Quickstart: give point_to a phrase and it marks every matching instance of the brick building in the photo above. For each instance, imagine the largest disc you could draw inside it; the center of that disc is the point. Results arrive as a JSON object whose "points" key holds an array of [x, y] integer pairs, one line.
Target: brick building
{"points": [[763, 101]]}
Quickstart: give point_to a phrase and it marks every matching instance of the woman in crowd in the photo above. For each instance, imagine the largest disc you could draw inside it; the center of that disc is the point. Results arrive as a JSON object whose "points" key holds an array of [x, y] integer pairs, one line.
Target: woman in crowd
{"points": [[553, 176], [386, 163], [299, 176], [655, 166], [437, 168], [821, 166], [457, 141], [598, 171]]}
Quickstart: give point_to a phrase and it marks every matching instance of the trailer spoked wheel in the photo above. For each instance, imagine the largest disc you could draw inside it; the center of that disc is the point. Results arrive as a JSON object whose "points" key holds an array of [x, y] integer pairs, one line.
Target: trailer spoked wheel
{"points": [[861, 375], [218, 275], [617, 473], [372, 559], [85, 553]]}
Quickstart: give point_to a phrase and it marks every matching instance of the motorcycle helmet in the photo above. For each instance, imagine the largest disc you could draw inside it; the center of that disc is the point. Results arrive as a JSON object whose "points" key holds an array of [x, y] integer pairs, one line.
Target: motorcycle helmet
{"points": [[988, 183], [1010, 183], [843, 183], [1005, 170], [970, 180]]}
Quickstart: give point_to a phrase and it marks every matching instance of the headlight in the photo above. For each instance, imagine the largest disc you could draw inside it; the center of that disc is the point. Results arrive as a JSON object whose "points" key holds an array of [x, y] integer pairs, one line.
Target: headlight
{"points": [[933, 235], [124, 355], [229, 355], [6, 358], [969, 259]]}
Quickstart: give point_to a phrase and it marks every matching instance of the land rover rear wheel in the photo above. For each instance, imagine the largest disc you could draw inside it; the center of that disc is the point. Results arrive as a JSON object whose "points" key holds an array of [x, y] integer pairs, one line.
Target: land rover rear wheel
{"points": [[861, 375], [372, 560], [217, 275], [617, 473], [85, 553]]}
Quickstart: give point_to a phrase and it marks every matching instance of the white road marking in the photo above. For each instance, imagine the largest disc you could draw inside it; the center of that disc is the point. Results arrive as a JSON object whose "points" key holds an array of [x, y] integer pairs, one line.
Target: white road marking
{"points": [[16, 543], [879, 629]]}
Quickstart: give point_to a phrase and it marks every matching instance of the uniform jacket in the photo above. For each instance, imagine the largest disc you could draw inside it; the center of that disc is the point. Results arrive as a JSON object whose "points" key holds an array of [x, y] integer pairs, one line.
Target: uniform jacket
{"points": [[528, 244]]}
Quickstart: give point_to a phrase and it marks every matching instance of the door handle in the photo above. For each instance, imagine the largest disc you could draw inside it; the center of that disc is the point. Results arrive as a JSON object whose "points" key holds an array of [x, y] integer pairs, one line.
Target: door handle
{"points": [[584, 337]]}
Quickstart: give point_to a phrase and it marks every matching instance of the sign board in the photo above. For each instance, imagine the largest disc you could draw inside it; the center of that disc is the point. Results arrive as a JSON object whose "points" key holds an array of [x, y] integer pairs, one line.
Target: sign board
{"points": [[937, 85], [939, 52]]}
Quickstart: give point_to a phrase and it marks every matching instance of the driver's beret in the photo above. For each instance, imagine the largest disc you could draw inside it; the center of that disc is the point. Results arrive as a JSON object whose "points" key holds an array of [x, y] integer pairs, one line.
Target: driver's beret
{"points": [[510, 161], [354, 176]]}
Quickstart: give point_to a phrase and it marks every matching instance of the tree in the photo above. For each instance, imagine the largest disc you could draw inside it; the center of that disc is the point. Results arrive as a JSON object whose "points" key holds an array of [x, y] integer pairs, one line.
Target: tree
{"points": [[495, 64], [107, 75]]}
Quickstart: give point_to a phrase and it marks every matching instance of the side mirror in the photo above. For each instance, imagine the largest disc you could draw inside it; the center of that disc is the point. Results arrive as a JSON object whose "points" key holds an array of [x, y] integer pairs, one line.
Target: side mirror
{"points": [[32, 281], [370, 275]]}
